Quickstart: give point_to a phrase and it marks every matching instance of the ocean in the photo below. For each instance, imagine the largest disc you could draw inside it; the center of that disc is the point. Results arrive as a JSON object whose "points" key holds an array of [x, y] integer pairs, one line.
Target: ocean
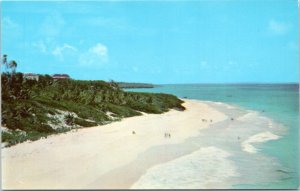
{"points": [[274, 163]]}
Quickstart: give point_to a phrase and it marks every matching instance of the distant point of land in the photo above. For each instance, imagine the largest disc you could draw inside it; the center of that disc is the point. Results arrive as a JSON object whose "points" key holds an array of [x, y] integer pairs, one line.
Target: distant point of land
{"points": [[134, 85]]}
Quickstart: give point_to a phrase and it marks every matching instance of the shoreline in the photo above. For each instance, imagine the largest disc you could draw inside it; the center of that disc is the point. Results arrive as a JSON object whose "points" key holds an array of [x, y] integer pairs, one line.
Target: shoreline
{"points": [[102, 156]]}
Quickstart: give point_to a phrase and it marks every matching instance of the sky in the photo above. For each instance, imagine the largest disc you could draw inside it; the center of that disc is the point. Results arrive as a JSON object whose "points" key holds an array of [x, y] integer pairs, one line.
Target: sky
{"points": [[161, 42]]}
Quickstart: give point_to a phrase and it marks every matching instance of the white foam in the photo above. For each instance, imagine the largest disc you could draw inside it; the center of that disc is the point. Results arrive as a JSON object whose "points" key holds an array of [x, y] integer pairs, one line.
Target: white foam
{"points": [[270, 124], [258, 138], [207, 167], [249, 115]]}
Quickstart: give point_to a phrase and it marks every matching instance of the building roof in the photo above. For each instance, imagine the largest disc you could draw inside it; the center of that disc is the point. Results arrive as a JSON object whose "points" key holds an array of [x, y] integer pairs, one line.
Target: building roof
{"points": [[61, 76], [30, 74]]}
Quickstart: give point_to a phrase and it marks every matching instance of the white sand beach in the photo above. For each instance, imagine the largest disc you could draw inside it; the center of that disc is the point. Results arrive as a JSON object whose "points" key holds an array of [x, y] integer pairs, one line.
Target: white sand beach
{"points": [[88, 158]]}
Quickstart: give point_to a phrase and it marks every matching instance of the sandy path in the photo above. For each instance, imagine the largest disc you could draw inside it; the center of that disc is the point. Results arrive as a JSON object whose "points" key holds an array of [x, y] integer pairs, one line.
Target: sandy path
{"points": [[90, 158]]}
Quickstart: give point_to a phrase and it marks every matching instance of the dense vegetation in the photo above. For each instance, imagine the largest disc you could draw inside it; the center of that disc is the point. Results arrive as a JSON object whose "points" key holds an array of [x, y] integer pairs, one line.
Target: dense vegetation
{"points": [[34, 109]]}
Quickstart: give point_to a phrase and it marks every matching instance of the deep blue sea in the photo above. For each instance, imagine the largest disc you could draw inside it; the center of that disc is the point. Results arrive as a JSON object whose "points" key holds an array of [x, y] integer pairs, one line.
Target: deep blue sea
{"points": [[280, 102]]}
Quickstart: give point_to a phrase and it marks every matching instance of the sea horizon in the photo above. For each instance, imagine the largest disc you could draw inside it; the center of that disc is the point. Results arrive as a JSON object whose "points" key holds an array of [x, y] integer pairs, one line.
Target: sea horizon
{"points": [[232, 83]]}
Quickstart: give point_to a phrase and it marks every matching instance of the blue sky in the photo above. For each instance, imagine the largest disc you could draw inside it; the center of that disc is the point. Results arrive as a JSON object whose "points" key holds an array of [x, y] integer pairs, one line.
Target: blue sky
{"points": [[219, 41]]}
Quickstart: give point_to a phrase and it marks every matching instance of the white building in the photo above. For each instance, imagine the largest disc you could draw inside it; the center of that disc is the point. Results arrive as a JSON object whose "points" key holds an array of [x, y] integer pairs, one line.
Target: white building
{"points": [[31, 76]]}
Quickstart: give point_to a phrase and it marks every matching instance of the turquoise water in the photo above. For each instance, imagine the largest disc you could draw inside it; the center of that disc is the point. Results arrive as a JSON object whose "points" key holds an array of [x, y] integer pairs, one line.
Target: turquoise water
{"points": [[277, 101]]}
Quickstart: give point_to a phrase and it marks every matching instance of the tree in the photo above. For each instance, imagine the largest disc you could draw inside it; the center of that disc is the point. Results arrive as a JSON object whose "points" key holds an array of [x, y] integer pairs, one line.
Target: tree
{"points": [[4, 61], [13, 66]]}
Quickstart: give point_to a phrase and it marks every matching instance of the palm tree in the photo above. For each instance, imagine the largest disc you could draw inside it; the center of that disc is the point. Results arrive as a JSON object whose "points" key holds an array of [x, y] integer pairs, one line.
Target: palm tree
{"points": [[13, 66], [4, 61]]}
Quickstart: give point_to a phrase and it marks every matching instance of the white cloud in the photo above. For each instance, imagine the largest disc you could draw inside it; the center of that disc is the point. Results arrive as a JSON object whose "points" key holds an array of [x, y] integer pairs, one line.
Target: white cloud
{"points": [[99, 50], [278, 28], [94, 56], [47, 34], [60, 51]]}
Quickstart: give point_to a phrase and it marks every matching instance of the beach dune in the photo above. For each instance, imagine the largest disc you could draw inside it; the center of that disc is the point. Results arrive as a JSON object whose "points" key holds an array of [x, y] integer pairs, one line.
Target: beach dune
{"points": [[103, 156]]}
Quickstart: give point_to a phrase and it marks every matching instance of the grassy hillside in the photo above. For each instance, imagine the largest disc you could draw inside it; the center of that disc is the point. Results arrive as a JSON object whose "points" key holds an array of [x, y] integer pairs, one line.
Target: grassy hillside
{"points": [[34, 109]]}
